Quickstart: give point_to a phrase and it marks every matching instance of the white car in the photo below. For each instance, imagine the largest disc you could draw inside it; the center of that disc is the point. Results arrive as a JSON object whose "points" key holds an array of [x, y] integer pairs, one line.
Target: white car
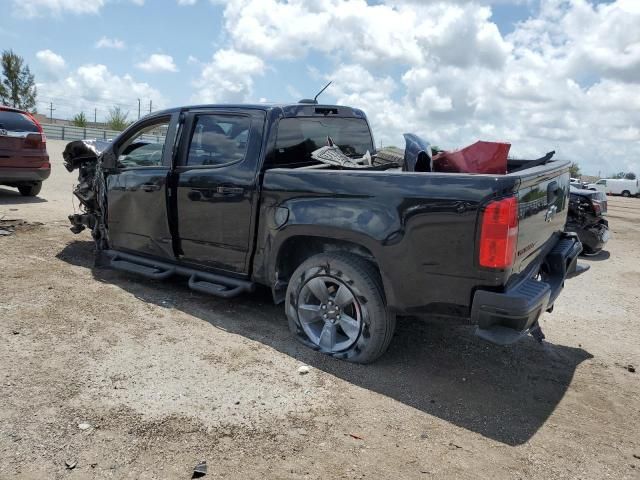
{"points": [[616, 186]]}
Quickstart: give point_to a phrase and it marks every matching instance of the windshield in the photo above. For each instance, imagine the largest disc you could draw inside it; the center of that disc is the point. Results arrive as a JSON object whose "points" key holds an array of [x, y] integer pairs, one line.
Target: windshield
{"points": [[298, 137]]}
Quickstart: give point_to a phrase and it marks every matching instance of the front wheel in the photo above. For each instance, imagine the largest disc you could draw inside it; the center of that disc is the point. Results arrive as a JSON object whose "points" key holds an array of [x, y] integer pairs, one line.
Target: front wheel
{"points": [[626, 193], [335, 304]]}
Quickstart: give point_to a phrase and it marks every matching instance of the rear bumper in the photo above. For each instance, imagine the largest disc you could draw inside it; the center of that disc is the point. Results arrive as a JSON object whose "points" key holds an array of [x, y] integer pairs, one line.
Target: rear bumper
{"points": [[505, 317], [12, 175]]}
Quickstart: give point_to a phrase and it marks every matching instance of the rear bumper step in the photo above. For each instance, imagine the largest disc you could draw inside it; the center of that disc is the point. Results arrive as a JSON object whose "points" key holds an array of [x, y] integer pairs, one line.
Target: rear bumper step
{"points": [[205, 282], [505, 317]]}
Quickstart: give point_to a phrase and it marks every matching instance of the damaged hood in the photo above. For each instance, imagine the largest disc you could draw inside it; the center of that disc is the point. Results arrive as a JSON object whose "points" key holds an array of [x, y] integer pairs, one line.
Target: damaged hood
{"points": [[82, 151]]}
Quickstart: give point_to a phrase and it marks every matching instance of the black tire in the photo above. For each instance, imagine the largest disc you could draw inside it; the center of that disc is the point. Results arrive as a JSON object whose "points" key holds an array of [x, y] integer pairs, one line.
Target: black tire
{"points": [[626, 193], [376, 324], [30, 190]]}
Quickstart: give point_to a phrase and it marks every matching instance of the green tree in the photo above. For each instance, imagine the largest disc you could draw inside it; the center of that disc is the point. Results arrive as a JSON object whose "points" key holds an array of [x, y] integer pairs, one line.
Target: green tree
{"points": [[574, 170], [618, 175], [630, 176], [117, 119], [80, 120], [17, 85]]}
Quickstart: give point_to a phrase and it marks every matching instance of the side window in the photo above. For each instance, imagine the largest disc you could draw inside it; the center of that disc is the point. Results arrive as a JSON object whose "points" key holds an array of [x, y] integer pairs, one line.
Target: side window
{"points": [[145, 147], [601, 182], [218, 140]]}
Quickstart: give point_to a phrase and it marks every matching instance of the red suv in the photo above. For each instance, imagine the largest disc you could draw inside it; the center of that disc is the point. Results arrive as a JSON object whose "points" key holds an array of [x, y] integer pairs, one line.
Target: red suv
{"points": [[24, 162]]}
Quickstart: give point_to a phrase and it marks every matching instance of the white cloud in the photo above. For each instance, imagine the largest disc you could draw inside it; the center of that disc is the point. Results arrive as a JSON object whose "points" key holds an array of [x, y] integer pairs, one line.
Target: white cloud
{"points": [[567, 78], [228, 77], [53, 63], [374, 34], [106, 42], [94, 86], [158, 62], [187, 2]]}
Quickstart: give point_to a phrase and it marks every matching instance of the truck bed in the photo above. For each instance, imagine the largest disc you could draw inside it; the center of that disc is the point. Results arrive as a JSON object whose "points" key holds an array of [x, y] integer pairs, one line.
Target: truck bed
{"points": [[421, 228]]}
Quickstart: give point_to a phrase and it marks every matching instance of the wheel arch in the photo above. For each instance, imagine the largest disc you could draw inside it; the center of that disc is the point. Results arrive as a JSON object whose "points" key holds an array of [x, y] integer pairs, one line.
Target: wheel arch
{"points": [[297, 248]]}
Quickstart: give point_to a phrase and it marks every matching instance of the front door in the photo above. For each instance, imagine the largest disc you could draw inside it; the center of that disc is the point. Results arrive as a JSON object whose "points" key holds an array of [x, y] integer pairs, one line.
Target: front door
{"points": [[137, 192], [216, 187]]}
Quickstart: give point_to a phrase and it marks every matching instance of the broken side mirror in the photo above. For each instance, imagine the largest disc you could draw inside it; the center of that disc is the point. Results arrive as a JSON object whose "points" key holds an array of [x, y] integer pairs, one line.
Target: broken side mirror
{"points": [[109, 160]]}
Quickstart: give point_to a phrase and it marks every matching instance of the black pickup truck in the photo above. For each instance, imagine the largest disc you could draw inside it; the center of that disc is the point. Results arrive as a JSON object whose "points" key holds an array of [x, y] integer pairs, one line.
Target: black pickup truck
{"points": [[230, 196]]}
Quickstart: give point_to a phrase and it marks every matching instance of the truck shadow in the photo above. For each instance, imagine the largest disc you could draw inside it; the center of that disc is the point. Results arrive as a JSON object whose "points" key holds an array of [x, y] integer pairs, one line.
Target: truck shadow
{"points": [[503, 393], [10, 196]]}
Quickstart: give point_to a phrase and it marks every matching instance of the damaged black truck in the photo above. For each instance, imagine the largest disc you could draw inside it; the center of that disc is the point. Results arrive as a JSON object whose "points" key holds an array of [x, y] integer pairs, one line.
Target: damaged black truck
{"points": [[296, 197]]}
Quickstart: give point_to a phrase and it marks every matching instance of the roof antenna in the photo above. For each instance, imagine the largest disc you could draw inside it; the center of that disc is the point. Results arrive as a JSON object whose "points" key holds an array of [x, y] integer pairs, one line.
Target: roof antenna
{"points": [[315, 99]]}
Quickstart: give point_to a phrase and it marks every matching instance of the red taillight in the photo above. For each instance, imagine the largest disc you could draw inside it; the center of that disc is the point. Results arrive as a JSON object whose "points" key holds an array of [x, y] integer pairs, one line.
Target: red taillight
{"points": [[597, 207], [42, 135], [499, 233]]}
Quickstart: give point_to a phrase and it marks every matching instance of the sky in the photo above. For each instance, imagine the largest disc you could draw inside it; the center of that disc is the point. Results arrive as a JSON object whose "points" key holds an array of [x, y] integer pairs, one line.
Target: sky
{"points": [[542, 75]]}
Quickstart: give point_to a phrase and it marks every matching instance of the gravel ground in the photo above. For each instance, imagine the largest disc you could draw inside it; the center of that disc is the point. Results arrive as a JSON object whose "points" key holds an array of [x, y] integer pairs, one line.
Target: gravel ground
{"points": [[163, 377]]}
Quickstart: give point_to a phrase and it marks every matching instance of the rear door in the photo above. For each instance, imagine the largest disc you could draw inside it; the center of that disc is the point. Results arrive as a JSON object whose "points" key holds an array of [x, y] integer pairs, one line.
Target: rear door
{"points": [[137, 191], [216, 187]]}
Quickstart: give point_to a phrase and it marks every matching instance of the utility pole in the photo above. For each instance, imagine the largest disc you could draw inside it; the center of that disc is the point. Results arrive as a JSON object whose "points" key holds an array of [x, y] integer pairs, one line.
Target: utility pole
{"points": [[95, 116], [138, 109], [51, 109], [150, 104]]}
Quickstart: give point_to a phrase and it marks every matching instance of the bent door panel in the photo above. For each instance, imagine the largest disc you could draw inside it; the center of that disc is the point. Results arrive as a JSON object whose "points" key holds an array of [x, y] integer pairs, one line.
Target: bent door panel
{"points": [[137, 193]]}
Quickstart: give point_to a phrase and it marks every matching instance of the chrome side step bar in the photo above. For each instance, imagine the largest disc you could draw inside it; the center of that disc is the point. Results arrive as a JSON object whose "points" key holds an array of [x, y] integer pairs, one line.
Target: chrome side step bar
{"points": [[205, 282]]}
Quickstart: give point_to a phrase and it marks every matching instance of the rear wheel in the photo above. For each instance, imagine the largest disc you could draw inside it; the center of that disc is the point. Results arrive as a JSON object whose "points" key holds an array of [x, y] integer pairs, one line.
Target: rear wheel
{"points": [[335, 304], [30, 190], [626, 193]]}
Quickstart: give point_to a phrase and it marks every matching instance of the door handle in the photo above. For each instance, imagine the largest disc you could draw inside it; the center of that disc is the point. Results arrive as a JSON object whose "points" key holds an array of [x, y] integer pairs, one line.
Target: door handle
{"points": [[150, 187], [194, 195], [230, 190]]}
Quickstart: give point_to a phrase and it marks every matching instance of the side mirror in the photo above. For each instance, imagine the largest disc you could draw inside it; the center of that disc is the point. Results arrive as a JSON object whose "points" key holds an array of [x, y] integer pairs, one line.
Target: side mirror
{"points": [[109, 160]]}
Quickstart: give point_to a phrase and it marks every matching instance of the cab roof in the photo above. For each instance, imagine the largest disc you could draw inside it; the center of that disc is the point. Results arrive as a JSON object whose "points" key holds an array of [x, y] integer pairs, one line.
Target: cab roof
{"points": [[283, 109]]}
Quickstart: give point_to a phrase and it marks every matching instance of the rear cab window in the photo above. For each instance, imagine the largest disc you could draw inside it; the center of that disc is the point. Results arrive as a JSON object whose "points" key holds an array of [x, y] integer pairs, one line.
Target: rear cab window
{"points": [[298, 137], [16, 122]]}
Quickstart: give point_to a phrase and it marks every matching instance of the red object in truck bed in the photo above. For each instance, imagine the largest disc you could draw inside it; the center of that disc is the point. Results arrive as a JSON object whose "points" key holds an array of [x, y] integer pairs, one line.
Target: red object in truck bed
{"points": [[481, 157]]}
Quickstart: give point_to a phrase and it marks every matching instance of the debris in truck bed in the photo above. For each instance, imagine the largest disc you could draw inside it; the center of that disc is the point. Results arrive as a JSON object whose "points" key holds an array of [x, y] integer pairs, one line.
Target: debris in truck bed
{"points": [[332, 155], [480, 157], [390, 155]]}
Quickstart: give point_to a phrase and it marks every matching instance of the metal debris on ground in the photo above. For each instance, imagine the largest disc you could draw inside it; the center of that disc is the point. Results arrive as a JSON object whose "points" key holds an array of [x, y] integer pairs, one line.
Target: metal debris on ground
{"points": [[631, 368], [200, 470], [70, 465], [9, 227]]}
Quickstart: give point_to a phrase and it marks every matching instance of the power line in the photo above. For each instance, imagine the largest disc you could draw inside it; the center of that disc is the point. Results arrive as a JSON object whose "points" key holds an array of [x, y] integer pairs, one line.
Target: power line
{"points": [[76, 106]]}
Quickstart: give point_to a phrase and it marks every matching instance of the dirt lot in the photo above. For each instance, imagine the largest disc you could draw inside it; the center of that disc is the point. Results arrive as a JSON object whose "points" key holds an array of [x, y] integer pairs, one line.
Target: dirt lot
{"points": [[165, 377]]}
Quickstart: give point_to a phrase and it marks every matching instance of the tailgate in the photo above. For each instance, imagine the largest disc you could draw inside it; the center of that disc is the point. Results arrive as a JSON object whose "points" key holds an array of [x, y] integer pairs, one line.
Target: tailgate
{"points": [[543, 199]]}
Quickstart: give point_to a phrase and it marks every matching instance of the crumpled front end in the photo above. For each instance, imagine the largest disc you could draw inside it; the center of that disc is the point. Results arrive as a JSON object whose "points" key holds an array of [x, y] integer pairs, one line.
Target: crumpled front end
{"points": [[86, 157]]}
